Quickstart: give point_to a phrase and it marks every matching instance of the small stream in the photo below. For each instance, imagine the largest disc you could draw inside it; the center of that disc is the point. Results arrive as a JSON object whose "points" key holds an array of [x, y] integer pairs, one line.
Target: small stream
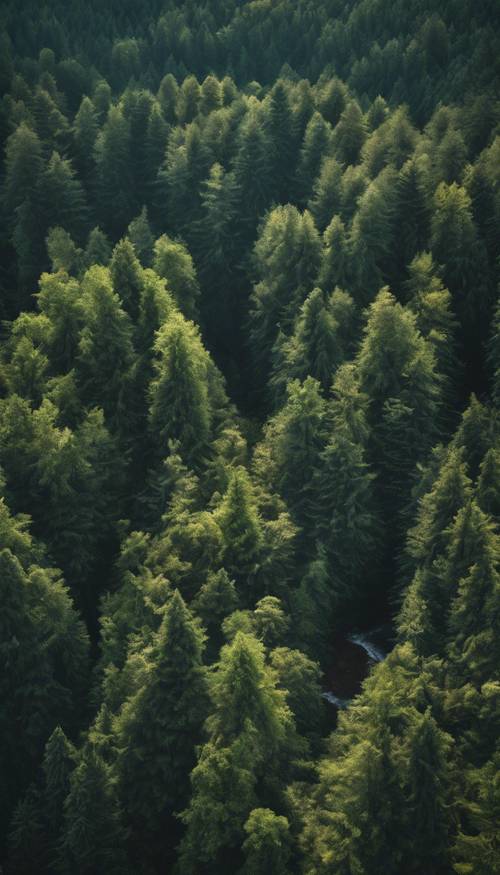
{"points": [[353, 656]]}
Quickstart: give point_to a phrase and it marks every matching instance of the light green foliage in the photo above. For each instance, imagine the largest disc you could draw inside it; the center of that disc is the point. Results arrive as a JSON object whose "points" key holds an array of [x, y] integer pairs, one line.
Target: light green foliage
{"points": [[173, 262], [180, 408], [267, 845]]}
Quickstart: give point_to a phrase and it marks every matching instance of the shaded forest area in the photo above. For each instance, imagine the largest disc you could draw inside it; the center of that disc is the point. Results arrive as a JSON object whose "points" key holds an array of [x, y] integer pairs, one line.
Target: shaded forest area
{"points": [[249, 391]]}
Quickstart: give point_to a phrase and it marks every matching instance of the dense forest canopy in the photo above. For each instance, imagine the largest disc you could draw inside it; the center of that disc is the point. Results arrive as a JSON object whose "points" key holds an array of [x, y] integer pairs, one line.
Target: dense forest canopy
{"points": [[249, 390]]}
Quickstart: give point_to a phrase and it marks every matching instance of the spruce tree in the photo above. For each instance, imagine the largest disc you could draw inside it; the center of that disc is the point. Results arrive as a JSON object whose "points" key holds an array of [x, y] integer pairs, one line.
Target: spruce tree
{"points": [[179, 401], [158, 729], [106, 354], [267, 845], [93, 836], [173, 262], [126, 276]]}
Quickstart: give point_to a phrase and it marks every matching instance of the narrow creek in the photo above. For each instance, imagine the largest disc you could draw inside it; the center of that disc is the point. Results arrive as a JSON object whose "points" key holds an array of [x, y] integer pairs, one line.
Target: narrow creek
{"points": [[353, 656]]}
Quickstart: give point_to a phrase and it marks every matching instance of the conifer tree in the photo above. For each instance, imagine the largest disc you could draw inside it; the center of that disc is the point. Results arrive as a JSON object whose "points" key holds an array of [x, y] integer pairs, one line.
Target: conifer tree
{"points": [[140, 235], [126, 276], [334, 257], [58, 763], [280, 125], [173, 262], [324, 203], [215, 600], [397, 372], [106, 353], [93, 837], [158, 729], [252, 172], [315, 147], [98, 249], [179, 402], [427, 782], [322, 339], [242, 532], [267, 845], [349, 134], [113, 160], [286, 257], [85, 130]]}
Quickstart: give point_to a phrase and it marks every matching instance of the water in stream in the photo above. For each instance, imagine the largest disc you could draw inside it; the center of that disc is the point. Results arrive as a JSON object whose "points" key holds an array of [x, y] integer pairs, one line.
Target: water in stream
{"points": [[354, 655]]}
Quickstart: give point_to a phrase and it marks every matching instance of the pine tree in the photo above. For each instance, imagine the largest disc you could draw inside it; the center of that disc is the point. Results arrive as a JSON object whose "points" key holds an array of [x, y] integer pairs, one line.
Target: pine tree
{"points": [[280, 126], [58, 763], [397, 372], [98, 249], [159, 728], [173, 262], [140, 235], [286, 257], [180, 408], [106, 353], [322, 339], [216, 599], [324, 203], [428, 780], [114, 173], [188, 100], [349, 134], [85, 131], [242, 532], [333, 266], [412, 215], [215, 248], [93, 837], [250, 732], [488, 484], [347, 519], [167, 96], [455, 245], [252, 172], [61, 198], [267, 845], [315, 148], [126, 276]]}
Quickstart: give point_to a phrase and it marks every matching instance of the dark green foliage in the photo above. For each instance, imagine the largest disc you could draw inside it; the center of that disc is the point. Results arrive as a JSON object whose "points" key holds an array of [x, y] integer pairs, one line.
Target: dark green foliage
{"points": [[159, 727], [93, 837], [301, 201]]}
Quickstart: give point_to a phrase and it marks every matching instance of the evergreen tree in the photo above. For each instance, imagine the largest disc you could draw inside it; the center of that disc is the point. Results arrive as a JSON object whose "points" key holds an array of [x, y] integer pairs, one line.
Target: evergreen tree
{"points": [[315, 148], [140, 235], [93, 837], [173, 262], [158, 729], [280, 125], [349, 134], [267, 845], [242, 534], [321, 340], [126, 276], [325, 201], [114, 178], [62, 200], [179, 402], [396, 369], [85, 131], [428, 782], [58, 763], [106, 353], [286, 257]]}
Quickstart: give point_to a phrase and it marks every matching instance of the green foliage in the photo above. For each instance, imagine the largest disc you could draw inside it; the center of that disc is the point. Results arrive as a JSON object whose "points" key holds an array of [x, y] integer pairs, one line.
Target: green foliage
{"points": [[301, 199]]}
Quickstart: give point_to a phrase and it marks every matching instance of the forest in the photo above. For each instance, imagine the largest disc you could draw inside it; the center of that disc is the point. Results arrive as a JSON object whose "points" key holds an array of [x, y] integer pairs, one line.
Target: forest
{"points": [[249, 421]]}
